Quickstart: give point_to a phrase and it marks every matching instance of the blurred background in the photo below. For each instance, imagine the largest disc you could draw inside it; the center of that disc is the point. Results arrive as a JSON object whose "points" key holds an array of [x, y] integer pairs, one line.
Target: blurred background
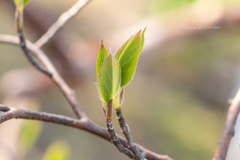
{"points": [[176, 103]]}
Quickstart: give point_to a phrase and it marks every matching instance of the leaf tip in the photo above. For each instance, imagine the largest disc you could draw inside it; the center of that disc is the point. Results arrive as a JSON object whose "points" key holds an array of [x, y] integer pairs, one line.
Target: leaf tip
{"points": [[138, 34], [143, 31], [102, 45]]}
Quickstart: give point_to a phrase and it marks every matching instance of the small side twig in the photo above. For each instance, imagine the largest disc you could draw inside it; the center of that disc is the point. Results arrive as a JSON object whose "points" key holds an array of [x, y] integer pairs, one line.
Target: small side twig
{"points": [[112, 133], [228, 129], [116, 141], [126, 131], [64, 17]]}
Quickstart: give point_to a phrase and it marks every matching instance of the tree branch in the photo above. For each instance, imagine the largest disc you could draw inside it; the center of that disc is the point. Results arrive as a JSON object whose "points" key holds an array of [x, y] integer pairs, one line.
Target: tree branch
{"points": [[83, 124], [228, 129], [64, 17]]}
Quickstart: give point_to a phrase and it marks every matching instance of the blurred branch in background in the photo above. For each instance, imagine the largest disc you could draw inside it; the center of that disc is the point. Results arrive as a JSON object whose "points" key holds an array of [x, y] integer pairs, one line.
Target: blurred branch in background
{"points": [[64, 17], [228, 129]]}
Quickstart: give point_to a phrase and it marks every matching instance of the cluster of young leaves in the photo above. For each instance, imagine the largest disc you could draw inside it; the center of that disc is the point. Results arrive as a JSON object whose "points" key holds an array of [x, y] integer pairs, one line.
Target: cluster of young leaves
{"points": [[115, 72]]}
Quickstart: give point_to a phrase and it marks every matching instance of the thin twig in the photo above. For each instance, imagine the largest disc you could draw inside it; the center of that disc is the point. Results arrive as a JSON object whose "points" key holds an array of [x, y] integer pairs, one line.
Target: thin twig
{"points": [[126, 132], [83, 124], [64, 17], [116, 141], [112, 133], [56, 78], [228, 129], [19, 20]]}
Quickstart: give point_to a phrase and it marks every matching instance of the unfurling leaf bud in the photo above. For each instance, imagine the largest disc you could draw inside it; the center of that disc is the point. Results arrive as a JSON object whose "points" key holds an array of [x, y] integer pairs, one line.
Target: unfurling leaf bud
{"points": [[115, 72]]}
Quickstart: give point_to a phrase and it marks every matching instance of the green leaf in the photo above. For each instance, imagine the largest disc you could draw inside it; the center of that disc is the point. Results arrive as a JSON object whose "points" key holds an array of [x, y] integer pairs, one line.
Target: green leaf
{"points": [[102, 54], [57, 151], [127, 57], [109, 79], [29, 134], [25, 2]]}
